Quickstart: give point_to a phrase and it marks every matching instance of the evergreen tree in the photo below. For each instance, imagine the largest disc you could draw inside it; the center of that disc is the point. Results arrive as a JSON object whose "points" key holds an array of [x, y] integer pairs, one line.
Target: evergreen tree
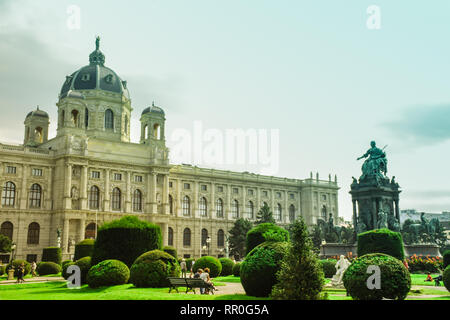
{"points": [[301, 276], [264, 215], [5, 244], [238, 236]]}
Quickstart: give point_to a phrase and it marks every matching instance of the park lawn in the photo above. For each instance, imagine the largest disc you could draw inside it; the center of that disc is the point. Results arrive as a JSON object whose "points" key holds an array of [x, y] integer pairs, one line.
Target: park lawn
{"points": [[417, 279], [232, 279], [59, 291]]}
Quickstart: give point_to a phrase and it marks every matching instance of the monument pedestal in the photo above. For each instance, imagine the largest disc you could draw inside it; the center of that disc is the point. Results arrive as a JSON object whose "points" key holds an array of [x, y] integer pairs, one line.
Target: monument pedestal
{"points": [[330, 250], [426, 249]]}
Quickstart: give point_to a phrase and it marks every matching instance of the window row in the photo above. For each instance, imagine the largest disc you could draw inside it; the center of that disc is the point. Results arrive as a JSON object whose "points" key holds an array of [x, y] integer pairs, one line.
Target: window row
{"points": [[206, 240], [116, 199], [7, 228], [37, 172], [9, 195]]}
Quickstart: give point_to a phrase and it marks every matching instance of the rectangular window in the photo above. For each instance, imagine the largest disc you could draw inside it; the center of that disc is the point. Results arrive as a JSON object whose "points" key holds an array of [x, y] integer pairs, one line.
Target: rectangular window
{"points": [[204, 187], [279, 195], [36, 172], [220, 189], [117, 176], [235, 190], [291, 196], [170, 184], [250, 192], [187, 186], [11, 169], [265, 193], [95, 174], [137, 178]]}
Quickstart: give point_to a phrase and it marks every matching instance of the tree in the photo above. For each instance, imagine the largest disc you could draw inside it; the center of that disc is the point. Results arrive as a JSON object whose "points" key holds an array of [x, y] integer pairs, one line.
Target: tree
{"points": [[301, 276], [5, 243], [264, 215], [238, 236]]}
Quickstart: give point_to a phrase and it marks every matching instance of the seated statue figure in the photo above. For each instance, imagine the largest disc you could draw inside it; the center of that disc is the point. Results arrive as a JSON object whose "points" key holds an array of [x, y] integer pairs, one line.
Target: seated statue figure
{"points": [[340, 266], [376, 161]]}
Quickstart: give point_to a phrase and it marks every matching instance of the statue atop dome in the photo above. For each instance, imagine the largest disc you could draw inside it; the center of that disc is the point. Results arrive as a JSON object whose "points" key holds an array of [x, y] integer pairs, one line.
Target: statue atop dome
{"points": [[97, 43]]}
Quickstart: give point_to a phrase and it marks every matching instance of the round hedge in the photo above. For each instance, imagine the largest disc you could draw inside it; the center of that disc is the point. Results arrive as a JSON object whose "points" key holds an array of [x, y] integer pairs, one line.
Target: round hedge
{"points": [[227, 266], [65, 265], [48, 267], [237, 269], [108, 273], [265, 232], [16, 264], [52, 254], [258, 270], [171, 250], [152, 268], [214, 265], [328, 267], [83, 249], [395, 278], [446, 257], [85, 265], [381, 241], [125, 240], [446, 277]]}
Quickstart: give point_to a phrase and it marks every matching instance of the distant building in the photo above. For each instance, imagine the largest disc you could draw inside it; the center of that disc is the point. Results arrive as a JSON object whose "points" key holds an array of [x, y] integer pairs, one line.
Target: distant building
{"points": [[444, 218]]}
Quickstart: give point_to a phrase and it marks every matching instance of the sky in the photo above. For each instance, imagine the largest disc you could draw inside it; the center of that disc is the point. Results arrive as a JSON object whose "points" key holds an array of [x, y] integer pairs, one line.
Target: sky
{"points": [[317, 80]]}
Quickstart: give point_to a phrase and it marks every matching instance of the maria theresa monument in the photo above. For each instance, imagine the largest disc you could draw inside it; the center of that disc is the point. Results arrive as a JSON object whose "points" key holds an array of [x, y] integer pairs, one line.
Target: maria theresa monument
{"points": [[57, 191]]}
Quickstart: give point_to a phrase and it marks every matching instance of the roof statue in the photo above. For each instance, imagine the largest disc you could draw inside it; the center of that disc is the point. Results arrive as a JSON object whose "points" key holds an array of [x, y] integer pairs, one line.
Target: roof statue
{"points": [[97, 43], [376, 162]]}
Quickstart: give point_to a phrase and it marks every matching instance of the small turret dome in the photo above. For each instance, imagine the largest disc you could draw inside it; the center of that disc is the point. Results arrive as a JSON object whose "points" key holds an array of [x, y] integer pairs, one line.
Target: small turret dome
{"points": [[37, 113], [153, 109]]}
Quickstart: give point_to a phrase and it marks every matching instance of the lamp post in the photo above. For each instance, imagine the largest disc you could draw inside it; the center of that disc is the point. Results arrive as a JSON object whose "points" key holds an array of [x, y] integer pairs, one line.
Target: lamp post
{"points": [[208, 241], [13, 248]]}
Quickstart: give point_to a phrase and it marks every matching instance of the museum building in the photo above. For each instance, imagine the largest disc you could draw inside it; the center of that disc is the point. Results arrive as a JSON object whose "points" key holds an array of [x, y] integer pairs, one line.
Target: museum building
{"points": [[91, 173]]}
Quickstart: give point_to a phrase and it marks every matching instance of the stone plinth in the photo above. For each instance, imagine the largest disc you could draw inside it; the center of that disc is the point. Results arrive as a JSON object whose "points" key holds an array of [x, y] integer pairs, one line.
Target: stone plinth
{"points": [[329, 250], [422, 250]]}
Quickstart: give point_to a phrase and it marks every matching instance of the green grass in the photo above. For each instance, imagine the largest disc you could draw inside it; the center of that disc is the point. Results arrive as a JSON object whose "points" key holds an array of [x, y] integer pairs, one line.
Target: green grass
{"points": [[59, 291], [417, 279], [232, 279]]}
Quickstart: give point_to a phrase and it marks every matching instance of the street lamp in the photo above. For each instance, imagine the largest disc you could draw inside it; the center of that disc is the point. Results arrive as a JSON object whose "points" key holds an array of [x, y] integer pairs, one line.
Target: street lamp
{"points": [[13, 248], [208, 241]]}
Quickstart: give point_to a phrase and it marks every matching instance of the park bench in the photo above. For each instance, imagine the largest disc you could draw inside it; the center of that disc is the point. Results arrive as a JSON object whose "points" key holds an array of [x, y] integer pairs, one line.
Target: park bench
{"points": [[189, 283]]}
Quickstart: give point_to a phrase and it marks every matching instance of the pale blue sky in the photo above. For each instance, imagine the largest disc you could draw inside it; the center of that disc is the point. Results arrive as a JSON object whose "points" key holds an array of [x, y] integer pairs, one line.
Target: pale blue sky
{"points": [[311, 69]]}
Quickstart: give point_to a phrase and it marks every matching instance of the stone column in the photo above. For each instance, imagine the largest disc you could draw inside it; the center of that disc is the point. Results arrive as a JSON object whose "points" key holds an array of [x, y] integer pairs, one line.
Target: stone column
{"points": [[81, 229], [242, 214], [178, 209], [227, 204], [128, 193], [286, 209], [106, 200], [49, 192], [24, 189], [397, 210], [67, 187], [355, 218], [213, 201], [374, 213], [164, 233], [195, 200], [165, 194], [154, 205], [66, 235], [83, 188]]}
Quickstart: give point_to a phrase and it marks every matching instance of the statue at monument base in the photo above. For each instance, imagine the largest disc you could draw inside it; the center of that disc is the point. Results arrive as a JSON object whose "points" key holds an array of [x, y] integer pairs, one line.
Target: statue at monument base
{"points": [[340, 266]]}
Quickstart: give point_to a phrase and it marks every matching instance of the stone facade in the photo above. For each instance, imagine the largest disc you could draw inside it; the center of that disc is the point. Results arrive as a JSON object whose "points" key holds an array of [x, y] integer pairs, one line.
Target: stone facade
{"points": [[91, 173]]}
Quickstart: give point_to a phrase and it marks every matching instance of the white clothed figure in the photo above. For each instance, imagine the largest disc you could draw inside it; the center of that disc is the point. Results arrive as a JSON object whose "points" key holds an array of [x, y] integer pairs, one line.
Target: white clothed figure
{"points": [[341, 266]]}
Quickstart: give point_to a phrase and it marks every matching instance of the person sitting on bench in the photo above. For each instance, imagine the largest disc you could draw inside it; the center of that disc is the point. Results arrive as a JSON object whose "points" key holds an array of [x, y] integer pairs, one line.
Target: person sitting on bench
{"points": [[437, 280]]}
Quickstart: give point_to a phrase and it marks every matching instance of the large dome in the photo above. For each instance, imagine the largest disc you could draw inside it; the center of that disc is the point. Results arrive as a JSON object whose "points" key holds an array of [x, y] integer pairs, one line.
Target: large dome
{"points": [[95, 76]]}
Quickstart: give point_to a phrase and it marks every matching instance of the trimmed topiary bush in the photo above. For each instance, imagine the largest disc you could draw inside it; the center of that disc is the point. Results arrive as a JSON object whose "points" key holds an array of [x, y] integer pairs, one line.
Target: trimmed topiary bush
{"points": [[446, 257], [16, 264], [381, 241], [152, 268], [328, 267], [65, 265], [237, 269], [125, 240], [83, 249], [395, 278], [52, 254], [48, 267], [214, 265], [108, 273], [446, 277], [227, 266], [265, 232], [171, 250], [258, 270], [85, 265]]}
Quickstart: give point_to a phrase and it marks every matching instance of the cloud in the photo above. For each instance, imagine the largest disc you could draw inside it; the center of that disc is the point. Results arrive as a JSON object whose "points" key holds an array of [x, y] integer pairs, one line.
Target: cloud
{"points": [[422, 125]]}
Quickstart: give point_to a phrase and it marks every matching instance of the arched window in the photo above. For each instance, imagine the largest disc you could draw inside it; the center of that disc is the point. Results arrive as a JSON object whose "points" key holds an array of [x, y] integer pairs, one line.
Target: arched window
{"points": [[170, 204], [291, 213], [204, 236], [6, 229], [86, 117], [170, 236], [109, 119], [9, 194], [137, 200], [116, 199], [324, 213], [249, 210], [63, 117], [35, 196], [187, 237], [186, 206], [33, 233], [74, 118], [126, 124], [202, 206], [219, 208], [146, 132], [220, 238], [235, 209], [277, 213], [38, 135], [94, 197], [90, 231], [157, 131]]}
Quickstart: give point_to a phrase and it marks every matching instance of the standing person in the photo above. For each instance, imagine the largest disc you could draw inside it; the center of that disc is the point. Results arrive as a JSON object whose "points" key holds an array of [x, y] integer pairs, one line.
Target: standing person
{"points": [[20, 273], [183, 268], [33, 269], [192, 267]]}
